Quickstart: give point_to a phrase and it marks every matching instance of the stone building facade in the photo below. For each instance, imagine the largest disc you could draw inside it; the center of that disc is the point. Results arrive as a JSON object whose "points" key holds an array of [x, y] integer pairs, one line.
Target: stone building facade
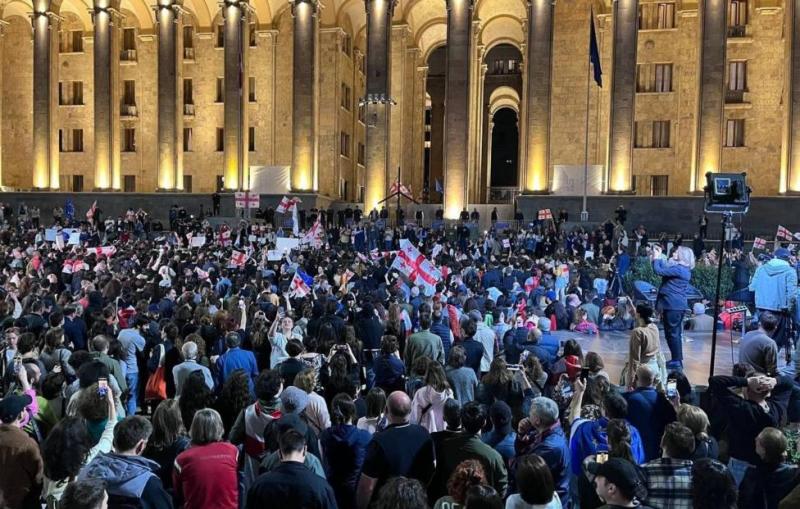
{"points": [[697, 86]]}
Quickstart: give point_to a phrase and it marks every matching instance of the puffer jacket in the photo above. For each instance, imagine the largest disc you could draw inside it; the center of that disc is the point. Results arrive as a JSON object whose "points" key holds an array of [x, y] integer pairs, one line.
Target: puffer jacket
{"points": [[775, 285], [131, 481]]}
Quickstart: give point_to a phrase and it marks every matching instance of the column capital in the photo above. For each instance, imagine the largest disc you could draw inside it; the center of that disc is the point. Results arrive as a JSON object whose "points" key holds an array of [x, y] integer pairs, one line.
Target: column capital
{"points": [[449, 3], [391, 5]]}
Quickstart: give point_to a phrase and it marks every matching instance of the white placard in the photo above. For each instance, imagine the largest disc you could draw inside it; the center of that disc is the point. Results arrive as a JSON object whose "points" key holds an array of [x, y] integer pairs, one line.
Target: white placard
{"points": [[284, 244], [198, 241]]}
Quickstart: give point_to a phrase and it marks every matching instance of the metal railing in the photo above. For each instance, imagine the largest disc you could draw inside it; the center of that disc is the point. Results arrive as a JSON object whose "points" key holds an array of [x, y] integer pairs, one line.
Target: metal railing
{"points": [[128, 55], [734, 96], [737, 31]]}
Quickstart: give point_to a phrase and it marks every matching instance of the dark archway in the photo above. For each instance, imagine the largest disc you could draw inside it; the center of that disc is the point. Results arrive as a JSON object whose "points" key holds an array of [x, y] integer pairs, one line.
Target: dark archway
{"points": [[433, 169], [505, 149]]}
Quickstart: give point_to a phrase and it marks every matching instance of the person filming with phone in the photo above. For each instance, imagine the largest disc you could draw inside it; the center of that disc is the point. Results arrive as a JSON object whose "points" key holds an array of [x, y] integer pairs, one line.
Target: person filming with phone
{"points": [[675, 272]]}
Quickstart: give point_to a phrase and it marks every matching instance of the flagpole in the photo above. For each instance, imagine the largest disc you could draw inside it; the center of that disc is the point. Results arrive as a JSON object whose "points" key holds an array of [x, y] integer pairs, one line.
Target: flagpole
{"points": [[584, 210]]}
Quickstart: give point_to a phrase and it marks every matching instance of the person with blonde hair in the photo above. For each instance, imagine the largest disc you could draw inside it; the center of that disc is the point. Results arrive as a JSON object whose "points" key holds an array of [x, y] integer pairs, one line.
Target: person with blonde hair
{"points": [[695, 418], [675, 273], [206, 474]]}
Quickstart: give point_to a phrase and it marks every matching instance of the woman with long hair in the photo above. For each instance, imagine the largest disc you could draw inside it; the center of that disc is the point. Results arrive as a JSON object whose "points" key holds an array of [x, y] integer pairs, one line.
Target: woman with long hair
{"points": [[694, 418], [427, 407], [675, 273], [194, 396], [168, 440], [644, 348], [234, 397], [501, 384], [619, 446]]}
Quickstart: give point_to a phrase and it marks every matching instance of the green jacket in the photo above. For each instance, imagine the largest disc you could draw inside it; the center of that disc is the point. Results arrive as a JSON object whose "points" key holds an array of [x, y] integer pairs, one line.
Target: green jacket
{"points": [[423, 344]]}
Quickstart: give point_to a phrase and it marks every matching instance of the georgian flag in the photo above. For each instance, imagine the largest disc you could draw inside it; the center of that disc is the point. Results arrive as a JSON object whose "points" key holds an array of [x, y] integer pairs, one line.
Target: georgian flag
{"points": [[545, 214], [313, 235], [301, 284], [104, 250], [759, 243], [201, 274], [287, 204], [238, 259], [413, 264], [398, 187], [784, 233]]}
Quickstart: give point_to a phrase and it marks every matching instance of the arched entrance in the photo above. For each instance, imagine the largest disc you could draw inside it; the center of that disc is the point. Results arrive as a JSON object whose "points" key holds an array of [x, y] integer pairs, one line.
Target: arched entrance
{"points": [[504, 153]]}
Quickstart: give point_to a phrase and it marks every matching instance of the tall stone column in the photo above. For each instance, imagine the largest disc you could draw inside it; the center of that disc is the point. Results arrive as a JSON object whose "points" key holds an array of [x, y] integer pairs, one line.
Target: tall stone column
{"points": [[623, 95], [237, 43], [539, 69], [713, 33], [790, 155], [45, 22], [304, 102], [2, 32], [107, 158], [457, 95], [379, 80], [170, 94]]}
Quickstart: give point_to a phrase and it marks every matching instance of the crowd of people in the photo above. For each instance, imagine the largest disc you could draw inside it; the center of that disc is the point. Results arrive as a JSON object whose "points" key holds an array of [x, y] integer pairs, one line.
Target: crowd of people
{"points": [[143, 368]]}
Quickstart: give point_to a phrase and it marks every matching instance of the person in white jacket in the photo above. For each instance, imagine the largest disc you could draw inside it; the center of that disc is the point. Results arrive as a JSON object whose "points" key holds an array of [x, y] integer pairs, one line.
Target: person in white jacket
{"points": [[427, 407]]}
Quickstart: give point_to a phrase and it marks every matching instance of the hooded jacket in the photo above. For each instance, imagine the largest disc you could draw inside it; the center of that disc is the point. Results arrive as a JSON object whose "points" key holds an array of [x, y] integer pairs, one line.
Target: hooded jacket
{"points": [[344, 448], [427, 408], [775, 285], [131, 481]]}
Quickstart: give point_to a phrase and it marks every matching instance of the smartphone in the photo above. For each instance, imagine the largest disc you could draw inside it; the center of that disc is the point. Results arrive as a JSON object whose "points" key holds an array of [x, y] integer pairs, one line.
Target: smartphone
{"points": [[281, 311], [514, 367], [584, 374], [17, 364], [102, 387], [566, 391], [601, 457], [341, 348], [672, 388]]}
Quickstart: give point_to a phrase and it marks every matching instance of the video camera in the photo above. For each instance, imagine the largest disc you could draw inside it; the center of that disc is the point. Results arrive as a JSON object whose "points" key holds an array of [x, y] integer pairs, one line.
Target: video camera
{"points": [[727, 192]]}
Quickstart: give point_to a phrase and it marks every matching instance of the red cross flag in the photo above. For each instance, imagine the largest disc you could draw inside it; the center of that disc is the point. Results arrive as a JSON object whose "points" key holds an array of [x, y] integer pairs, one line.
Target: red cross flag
{"points": [[314, 235], [246, 200], [238, 259], [201, 274], [413, 264], [783, 233], [104, 251], [287, 204], [759, 243], [399, 187], [545, 214]]}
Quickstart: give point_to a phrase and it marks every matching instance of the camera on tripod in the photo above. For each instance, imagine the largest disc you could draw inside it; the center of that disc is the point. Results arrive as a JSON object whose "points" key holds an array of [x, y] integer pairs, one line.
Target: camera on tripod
{"points": [[727, 192]]}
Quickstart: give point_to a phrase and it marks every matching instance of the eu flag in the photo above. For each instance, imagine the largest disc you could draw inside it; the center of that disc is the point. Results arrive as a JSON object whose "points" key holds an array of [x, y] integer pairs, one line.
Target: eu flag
{"points": [[594, 53]]}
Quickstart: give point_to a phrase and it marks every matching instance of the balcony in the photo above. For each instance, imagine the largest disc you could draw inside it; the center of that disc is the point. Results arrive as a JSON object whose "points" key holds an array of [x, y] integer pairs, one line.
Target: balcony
{"points": [[188, 53], [735, 31], [188, 110], [128, 110]]}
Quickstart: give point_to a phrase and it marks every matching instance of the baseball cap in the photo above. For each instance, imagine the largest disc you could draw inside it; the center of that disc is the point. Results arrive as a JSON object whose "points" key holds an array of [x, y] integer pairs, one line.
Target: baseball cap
{"points": [[782, 253], [11, 406], [623, 474], [294, 400]]}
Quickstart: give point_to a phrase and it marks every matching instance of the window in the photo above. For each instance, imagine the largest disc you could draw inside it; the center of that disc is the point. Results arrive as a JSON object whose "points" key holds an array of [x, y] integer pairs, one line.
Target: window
{"points": [[656, 15], [70, 93], [70, 140], [188, 42], [362, 154], [129, 183], [187, 139], [251, 89], [251, 139], [737, 75], [347, 45], [77, 183], [128, 45], [220, 90], [71, 41], [734, 132], [654, 78], [220, 182], [737, 18], [220, 36], [251, 33], [345, 144], [652, 134], [220, 139], [346, 97], [659, 185], [129, 92], [188, 91], [342, 188], [362, 113], [505, 66], [187, 183], [128, 139]]}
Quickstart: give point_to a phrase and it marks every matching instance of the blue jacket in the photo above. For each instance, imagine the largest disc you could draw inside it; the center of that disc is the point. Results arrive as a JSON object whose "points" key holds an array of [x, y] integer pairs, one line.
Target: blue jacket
{"points": [[234, 359], [674, 285], [344, 448], [589, 437], [775, 285], [650, 412], [128, 479], [553, 447]]}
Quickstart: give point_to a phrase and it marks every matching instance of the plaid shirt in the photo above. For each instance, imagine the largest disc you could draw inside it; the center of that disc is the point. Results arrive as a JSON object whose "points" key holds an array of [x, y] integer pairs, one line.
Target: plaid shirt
{"points": [[669, 483]]}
